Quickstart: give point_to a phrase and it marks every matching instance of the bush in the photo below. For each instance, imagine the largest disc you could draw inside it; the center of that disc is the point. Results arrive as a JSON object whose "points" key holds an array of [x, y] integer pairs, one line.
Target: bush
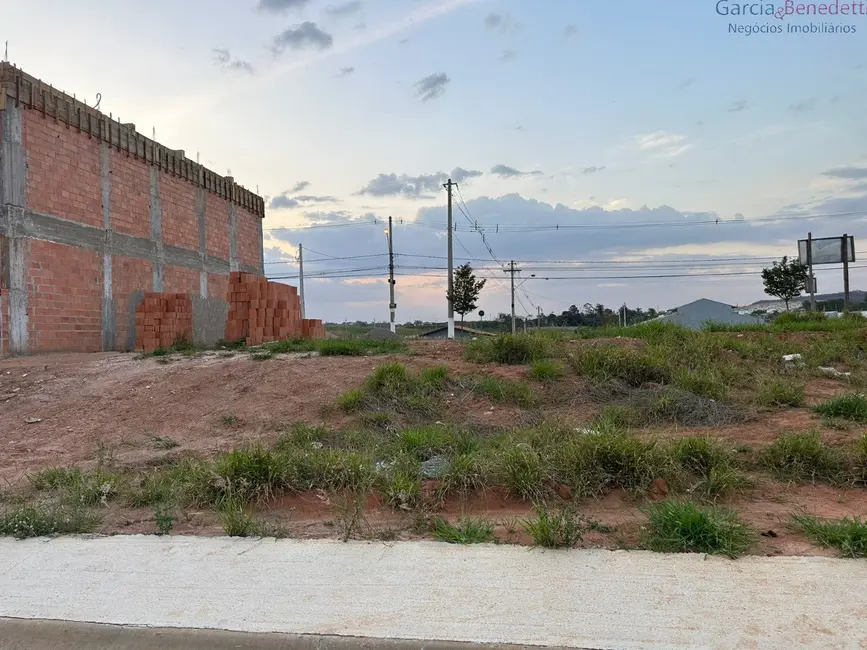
{"points": [[609, 362], [780, 391], [512, 349], [546, 370], [554, 530], [680, 526], [848, 535], [802, 457], [850, 407], [38, 521], [467, 531]]}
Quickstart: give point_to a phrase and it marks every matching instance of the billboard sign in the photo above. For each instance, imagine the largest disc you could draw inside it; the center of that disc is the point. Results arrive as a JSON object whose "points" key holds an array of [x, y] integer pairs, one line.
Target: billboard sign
{"points": [[827, 250]]}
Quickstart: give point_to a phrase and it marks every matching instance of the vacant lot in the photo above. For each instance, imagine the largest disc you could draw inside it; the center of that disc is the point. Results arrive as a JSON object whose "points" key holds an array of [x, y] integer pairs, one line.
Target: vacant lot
{"points": [[651, 437]]}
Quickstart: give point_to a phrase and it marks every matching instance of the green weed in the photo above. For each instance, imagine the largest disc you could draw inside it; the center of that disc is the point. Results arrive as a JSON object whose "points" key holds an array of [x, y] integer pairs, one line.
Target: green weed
{"points": [[512, 349], [850, 407], [554, 530], [546, 370], [802, 457], [468, 530], [848, 535], [679, 526], [163, 443], [37, 521], [780, 391], [505, 391], [164, 516]]}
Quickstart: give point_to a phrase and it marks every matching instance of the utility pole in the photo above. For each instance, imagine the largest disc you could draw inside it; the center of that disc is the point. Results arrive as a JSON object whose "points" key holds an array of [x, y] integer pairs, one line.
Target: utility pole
{"points": [[845, 242], [512, 270], [301, 277], [812, 277], [451, 323], [391, 305], [538, 317]]}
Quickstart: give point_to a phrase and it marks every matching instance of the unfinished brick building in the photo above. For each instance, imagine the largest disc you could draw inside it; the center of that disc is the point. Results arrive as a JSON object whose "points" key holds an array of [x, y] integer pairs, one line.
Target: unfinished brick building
{"points": [[93, 214]]}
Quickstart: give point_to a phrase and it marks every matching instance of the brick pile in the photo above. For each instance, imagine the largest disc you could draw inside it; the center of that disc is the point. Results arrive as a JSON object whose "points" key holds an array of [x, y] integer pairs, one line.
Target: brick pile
{"points": [[163, 319], [261, 311], [312, 329]]}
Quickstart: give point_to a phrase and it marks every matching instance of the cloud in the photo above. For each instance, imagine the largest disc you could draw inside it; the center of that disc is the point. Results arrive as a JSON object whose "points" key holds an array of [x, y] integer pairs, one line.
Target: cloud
{"points": [[432, 86], [508, 55], [663, 144], [415, 187], [345, 72], [569, 31], [496, 21], [306, 198], [223, 58], [299, 186], [306, 36], [847, 173], [593, 170], [804, 106], [344, 9], [504, 171], [738, 106], [686, 83], [281, 6], [283, 202]]}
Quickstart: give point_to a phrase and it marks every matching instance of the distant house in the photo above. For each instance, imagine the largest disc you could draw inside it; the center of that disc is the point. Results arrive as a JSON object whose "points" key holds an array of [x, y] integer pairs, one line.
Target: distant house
{"points": [[695, 314], [461, 332]]}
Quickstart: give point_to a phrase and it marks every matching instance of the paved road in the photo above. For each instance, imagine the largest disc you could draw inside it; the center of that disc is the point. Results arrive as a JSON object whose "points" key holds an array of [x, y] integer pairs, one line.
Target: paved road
{"points": [[429, 591]]}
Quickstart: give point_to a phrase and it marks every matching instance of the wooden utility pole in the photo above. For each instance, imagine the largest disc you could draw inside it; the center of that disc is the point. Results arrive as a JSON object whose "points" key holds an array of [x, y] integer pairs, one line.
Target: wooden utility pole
{"points": [[451, 322], [391, 305]]}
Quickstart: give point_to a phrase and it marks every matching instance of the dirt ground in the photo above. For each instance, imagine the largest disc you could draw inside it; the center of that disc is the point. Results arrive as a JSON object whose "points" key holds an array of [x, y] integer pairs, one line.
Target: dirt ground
{"points": [[67, 409]]}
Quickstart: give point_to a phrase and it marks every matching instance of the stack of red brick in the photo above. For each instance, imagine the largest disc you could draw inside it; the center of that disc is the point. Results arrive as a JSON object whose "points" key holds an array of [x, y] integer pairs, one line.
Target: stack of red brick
{"points": [[163, 319], [262, 311]]}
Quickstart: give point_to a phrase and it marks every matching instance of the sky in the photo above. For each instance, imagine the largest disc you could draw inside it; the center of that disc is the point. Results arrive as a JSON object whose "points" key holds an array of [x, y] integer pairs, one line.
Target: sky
{"points": [[603, 146]]}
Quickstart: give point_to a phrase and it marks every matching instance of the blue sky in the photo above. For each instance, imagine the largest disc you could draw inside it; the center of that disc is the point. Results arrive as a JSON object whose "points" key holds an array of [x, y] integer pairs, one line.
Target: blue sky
{"points": [[617, 112]]}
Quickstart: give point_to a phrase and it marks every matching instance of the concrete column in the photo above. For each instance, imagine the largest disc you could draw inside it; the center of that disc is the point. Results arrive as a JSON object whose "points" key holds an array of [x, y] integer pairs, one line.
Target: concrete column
{"points": [[261, 246], [233, 238], [13, 188], [108, 313], [156, 213], [203, 239]]}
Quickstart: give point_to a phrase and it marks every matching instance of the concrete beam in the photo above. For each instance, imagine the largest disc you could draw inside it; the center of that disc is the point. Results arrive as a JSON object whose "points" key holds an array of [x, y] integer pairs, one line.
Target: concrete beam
{"points": [[108, 315], [156, 214], [13, 189]]}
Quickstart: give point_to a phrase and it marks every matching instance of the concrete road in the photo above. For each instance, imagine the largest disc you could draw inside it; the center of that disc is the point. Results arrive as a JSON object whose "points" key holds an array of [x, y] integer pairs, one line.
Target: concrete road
{"points": [[437, 592]]}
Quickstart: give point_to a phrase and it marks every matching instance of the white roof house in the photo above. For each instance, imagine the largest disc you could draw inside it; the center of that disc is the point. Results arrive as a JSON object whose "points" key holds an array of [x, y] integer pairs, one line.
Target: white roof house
{"points": [[695, 314]]}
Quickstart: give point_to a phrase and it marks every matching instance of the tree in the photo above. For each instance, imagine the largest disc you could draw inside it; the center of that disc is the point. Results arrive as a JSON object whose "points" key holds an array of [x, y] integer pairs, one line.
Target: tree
{"points": [[466, 291], [785, 280]]}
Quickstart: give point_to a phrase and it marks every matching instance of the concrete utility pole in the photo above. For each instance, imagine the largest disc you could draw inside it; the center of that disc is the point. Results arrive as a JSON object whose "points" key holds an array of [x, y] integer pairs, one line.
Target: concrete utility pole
{"points": [[812, 278], [845, 244], [301, 277], [512, 271], [391, 305], [451, 324]]}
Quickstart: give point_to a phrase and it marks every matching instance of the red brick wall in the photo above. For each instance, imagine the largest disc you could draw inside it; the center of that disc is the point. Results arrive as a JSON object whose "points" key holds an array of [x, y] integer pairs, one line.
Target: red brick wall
{"points": [[248, 237], [130, 195], [177, 279], [64, 288], [180, 222], [217, 230], [62, 170], [128, 275], [218, 285]]}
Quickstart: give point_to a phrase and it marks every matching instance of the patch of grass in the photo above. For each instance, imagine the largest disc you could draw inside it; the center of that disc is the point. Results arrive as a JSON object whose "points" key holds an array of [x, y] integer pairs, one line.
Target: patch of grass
{"points": [[466, 473], [351, 401], [519, 468], [850, 407], [155, 489], [249, 473], [425, 442], [705, 382], [802, 457], [262, 355], [435, 377], [229, 420], [237, 523], [512, 349], [848, 535], [679, 526], [701, 456], [390, 388], [505, 391], [163, 443], [780, 391], [377, 419], [338, 347], [37, 521], [401, 484], [546, 370], [299, 436], [560, 529], [611, 362], [165, 518], [78, 488], [858, 459], [469, 530]]}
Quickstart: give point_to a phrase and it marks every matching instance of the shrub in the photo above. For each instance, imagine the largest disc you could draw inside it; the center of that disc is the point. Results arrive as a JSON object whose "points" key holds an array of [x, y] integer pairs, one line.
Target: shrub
{"points": [[467, 531], [850, 407], [680, 526], [37, 521], [780, 391], [546, 370], [802, 457], [512, 349], [848, 535], [554, 530]]}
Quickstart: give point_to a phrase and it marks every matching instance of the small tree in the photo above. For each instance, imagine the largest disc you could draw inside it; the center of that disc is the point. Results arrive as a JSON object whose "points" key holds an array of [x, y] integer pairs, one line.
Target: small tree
{"points": [[785, 280], [466, 291]]}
